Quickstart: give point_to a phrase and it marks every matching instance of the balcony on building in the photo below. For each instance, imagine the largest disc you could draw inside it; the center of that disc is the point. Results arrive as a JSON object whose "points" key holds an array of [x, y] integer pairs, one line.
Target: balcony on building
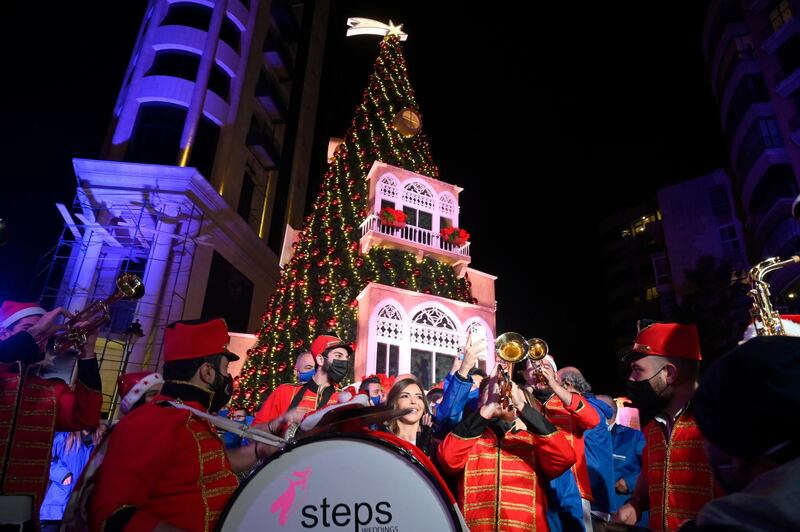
{"points": [[771, 200], [430, 205], [264, 144], [788, 79]]}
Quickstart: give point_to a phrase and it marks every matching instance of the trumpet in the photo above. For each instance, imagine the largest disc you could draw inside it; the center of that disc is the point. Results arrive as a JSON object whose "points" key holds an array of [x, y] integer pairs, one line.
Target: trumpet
{"points": [[513, 347], [539, 350], [129, 286]]}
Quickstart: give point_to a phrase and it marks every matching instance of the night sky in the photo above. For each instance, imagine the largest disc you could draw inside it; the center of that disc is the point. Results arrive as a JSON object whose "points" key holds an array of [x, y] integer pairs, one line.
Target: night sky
{"points": [[536, 115]]}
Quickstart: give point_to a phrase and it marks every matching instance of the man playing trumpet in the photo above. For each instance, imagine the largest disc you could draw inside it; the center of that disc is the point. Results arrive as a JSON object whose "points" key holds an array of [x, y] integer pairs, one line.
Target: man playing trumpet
{"points": [[570, 413], [503, 456], [33, 408]]}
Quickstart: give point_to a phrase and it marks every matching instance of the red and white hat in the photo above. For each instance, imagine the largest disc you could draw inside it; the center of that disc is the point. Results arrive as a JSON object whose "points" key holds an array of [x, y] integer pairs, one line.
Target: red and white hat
{"points": [[132, 386], [791, 327], [668, 340], [13, 311]]}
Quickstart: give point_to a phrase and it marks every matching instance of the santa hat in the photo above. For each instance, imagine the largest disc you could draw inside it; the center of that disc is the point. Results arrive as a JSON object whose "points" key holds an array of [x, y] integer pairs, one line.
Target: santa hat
{"points": [[13, 311], [791, 327], [668, 340], [132, 386]]}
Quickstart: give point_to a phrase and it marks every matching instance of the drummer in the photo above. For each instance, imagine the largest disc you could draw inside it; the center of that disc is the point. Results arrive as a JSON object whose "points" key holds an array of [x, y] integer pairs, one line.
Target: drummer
{"points": [[165, 466], [289, 403]]}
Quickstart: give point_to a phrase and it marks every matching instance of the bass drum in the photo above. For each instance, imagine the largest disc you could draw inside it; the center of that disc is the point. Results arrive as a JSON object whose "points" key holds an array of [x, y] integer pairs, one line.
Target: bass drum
{"points": [[350, 482]]}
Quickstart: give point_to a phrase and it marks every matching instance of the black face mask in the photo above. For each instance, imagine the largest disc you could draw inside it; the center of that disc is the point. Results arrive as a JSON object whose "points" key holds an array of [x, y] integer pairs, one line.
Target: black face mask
{"points": [[644, 397], [223, 390], [542, 395], [337, 369]]}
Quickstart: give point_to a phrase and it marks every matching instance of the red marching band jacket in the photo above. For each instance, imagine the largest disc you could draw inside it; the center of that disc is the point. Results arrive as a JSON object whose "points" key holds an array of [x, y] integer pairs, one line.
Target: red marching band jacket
{"points": [[573, 420], [45, 406], [499, 486], [280, 400], [162, 464], [676, 476]]}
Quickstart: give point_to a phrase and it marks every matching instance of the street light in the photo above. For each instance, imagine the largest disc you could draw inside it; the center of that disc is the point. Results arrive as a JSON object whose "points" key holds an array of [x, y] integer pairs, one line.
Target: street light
{"points": [[132, 335]]}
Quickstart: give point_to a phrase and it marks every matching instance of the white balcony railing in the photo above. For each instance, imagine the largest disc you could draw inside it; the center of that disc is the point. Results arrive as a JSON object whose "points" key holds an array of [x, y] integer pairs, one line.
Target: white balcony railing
{"points": [[415, 235]]}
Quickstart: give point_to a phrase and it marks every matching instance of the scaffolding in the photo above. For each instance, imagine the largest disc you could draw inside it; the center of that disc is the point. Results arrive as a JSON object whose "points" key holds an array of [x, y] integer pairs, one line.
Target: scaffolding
{"points": [[110, 231]]}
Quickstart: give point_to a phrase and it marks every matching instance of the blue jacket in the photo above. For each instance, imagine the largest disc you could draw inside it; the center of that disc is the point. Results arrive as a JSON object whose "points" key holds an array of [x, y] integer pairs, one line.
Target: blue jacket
{"points": [[63, 464], [599, 458], [628, 446], [456, 397], [231, 440], [564, 507]]}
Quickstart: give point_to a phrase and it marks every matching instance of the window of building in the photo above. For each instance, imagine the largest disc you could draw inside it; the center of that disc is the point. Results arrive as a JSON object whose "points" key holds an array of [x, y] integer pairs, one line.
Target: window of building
{"points": [[229, 34], [204, 149], [444, 223], [387, 204], [763, 134], [157, 133], [731, 247], [661, 269], [280, 208], [779, 183], [219, 81], [246, 197], [789, 55], [780, 15], [751, 90], [651, 294], [430, 367], [718, 197], [740, 47], [729, 11], [388, 360], [639, 225], [188, 14], [228, 294], [175, 63], [418, 218]]}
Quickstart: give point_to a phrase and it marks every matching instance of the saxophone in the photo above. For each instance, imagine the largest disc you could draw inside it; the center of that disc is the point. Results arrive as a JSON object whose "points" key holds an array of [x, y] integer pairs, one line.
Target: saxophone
{"points": [[766, 320]]}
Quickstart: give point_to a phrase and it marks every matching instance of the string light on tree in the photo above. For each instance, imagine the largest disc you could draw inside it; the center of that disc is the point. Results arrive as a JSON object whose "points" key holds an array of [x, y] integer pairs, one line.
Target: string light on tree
{"points": [[317, 291]]}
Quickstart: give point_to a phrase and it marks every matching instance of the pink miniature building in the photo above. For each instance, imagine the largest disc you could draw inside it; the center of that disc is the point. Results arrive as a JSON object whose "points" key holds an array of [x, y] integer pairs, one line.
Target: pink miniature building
{"points": [[402, 331]]}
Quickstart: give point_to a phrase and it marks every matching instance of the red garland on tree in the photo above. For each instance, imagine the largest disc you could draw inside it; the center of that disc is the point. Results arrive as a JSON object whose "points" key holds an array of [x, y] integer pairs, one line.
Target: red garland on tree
{"points": [[326, 255]]}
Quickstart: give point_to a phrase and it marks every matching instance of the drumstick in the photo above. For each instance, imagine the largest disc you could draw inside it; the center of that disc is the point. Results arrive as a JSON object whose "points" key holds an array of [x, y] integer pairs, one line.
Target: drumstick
{"points": [[240, 429]]}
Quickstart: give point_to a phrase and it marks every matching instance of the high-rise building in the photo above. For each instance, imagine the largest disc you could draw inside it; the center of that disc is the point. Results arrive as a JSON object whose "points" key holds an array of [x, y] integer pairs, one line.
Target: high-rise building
{"points": [[753, 52], [649, 248], [205, 163]]}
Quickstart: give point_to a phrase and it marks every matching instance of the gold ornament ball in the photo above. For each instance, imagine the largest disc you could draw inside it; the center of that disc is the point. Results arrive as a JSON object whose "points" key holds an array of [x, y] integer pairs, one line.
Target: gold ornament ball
{"points": [[407, 122]]}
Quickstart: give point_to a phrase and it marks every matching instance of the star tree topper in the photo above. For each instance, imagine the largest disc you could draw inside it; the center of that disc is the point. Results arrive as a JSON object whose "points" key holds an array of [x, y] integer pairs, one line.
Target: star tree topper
{"points": [[367, 26]]}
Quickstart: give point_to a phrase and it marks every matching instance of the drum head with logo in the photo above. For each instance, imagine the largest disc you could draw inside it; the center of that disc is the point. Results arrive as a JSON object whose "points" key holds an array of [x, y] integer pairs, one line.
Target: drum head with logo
{"points": [[353, 483]]}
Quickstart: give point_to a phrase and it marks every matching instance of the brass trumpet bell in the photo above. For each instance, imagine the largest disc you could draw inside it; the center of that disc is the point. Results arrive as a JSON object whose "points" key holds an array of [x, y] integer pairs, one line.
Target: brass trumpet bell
{"points": [[130, 285], [511, 347], [538, 349]]}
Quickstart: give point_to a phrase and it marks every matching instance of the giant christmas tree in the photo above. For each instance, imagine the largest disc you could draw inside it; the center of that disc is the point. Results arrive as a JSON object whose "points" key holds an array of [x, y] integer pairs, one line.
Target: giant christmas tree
{"points": [[317, 289]]}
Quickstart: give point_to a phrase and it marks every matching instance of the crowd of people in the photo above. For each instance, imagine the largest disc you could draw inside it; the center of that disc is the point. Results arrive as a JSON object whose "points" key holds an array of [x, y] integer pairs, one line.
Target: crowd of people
{"points": [[531, 447]]}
